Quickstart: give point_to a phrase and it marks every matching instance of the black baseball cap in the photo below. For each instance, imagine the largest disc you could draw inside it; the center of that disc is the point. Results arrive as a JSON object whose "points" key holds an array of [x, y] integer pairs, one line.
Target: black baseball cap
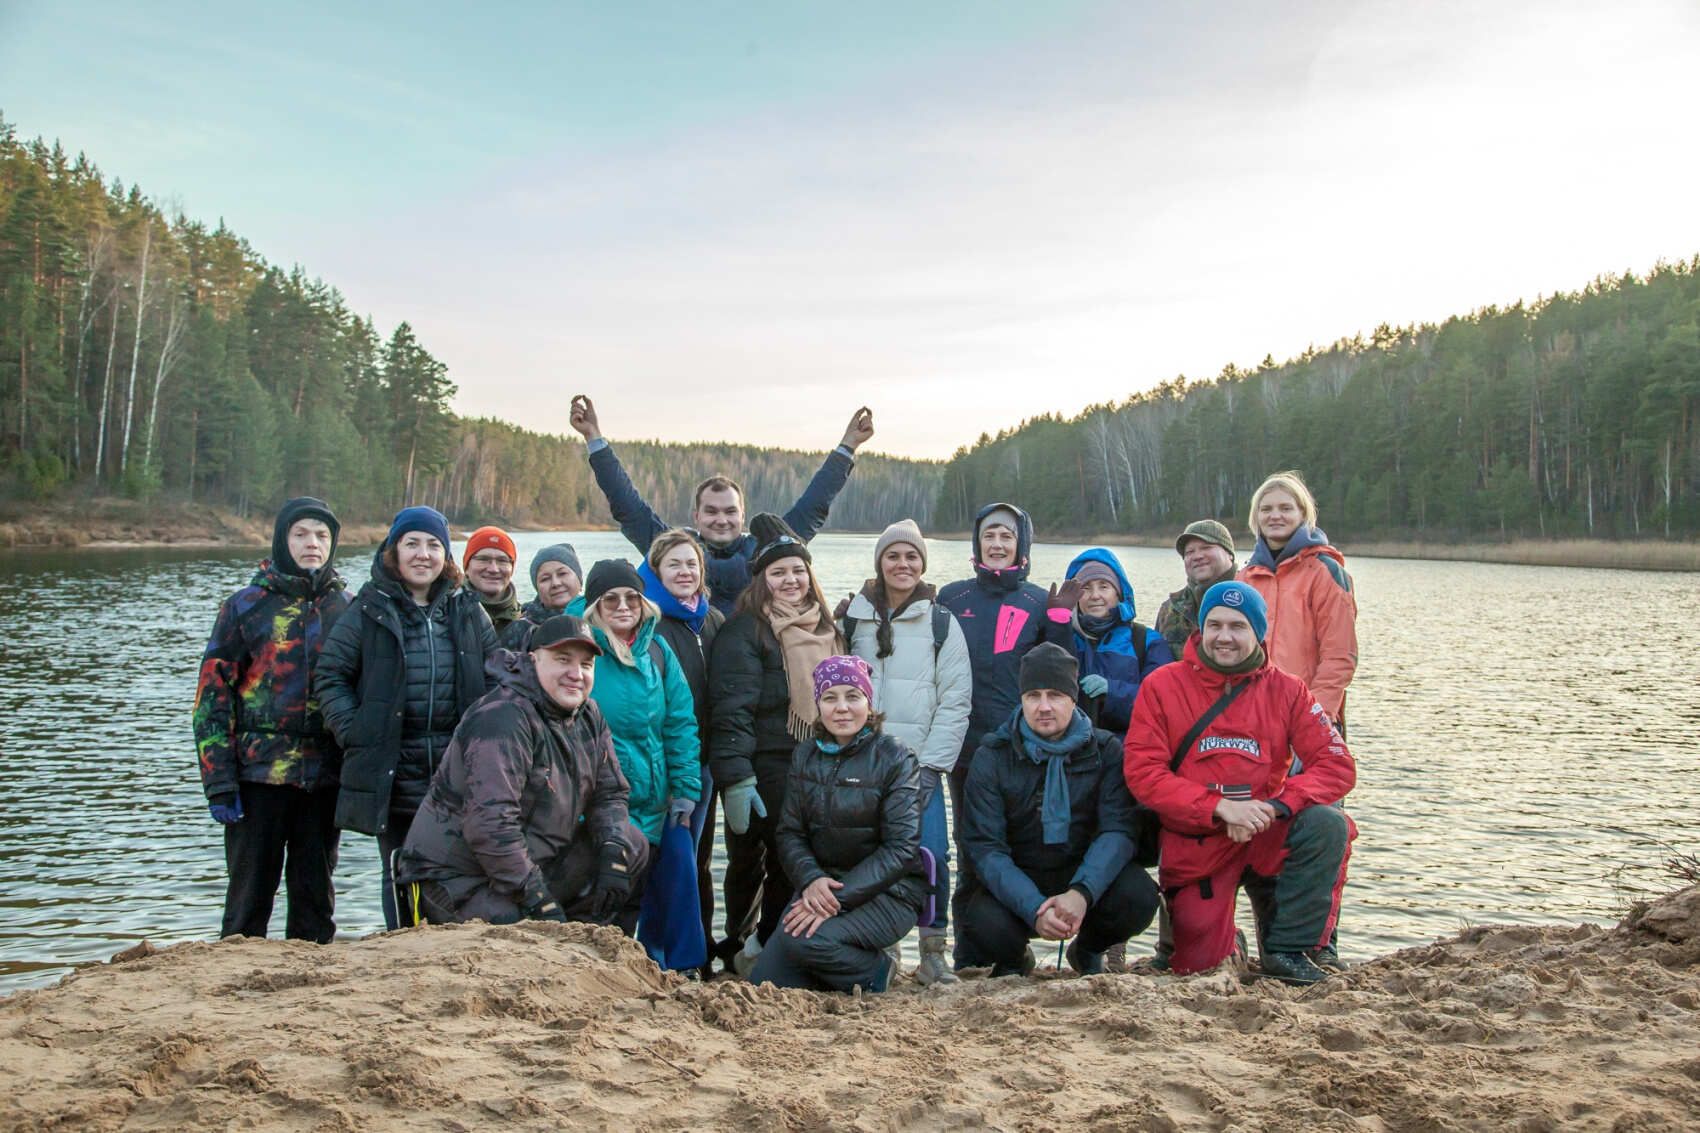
{"points": [[564, 629]]}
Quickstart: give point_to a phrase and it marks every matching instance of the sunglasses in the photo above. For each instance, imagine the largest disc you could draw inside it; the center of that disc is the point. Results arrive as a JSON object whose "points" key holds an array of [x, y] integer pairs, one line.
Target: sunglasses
{"points": [[614, 599]]}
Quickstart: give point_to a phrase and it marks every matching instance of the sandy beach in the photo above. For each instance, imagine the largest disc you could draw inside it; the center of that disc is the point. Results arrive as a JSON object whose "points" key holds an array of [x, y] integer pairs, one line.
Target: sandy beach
{"points": [[542, 1026]]}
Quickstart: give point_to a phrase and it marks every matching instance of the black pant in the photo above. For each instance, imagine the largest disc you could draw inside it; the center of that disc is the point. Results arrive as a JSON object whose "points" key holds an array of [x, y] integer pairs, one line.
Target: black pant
{"points": [[846, 951], [754, 878], [967, 880], [991, 930], [285, 833], [391, 839], [570, 877]]}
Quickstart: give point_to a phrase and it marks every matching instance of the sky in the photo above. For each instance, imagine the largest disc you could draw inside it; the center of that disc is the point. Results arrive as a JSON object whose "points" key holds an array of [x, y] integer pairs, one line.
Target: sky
{"points": [[742, 221]]}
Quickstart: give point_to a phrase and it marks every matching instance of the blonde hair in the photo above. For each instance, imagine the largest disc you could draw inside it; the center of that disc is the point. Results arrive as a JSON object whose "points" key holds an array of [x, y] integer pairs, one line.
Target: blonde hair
{"points": [[1290, 482], [617, 644], [677, 537]]}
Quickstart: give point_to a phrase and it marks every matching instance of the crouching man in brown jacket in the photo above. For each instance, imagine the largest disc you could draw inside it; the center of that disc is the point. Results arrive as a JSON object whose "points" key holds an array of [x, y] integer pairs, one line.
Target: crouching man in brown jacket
{"points": [[526, 816]]}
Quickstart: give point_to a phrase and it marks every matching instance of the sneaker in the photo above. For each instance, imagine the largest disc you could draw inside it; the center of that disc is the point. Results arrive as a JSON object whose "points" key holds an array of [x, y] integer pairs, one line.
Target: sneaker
{"points": [[1082, 961], [935, 967], [744, 960], [1327, 959], [889, 970], [1292, 968]]}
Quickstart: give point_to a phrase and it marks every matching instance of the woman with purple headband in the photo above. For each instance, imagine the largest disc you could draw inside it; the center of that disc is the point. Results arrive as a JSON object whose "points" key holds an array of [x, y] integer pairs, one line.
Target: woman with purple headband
{"points": [[849, 837]]}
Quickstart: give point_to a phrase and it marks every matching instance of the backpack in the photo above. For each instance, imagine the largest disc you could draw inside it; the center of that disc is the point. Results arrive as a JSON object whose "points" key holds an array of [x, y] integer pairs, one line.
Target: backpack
{"points": [[941, 630]]}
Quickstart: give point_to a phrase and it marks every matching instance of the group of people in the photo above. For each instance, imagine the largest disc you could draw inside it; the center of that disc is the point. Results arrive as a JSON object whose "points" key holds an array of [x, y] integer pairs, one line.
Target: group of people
{"points": [[528, 761]]}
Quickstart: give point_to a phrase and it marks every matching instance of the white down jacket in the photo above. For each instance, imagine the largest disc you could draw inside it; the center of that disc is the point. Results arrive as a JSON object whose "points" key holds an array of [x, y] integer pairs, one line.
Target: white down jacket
{"points": [[925, 701]]}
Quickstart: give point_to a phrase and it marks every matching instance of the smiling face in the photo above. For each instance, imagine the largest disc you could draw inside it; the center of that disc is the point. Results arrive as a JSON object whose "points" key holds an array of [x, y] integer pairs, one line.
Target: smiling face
{"points": [[419, 560], [719, 515], [1098, 597], [309, 543], [997, 546], [622, 610], [1205, 561], [1226, 637], [788, 580], [843, 711], [1047, 711], [566, 673], [1278, 517], [680, 571], [900, 569], [557, 585], [490, 571]]}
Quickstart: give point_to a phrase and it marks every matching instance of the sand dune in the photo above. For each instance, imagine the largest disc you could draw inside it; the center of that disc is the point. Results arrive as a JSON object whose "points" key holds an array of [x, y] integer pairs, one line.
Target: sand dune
{"points": [[542, 1026]]}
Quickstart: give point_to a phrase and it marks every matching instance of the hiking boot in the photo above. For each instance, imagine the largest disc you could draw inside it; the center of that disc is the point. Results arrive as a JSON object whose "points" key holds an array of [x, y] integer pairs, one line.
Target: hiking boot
{"points": [[744, 960], [935, 967], [1115, 958], [1327, 959], [1292, 968], [1025, 968], [1082, 961]]}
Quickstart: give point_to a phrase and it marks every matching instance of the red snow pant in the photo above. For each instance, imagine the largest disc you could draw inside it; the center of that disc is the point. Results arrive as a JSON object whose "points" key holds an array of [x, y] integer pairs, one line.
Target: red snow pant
{"points": [[1294, 871]]}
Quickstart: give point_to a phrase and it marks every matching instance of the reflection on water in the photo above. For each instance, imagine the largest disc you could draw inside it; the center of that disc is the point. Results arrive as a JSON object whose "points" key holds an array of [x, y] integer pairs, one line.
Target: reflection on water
{"points": [[1526, 739]]}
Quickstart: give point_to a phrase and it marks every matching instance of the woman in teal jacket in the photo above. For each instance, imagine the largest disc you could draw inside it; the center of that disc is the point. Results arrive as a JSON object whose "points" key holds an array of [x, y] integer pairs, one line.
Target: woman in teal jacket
{"points": [[647, 704]]}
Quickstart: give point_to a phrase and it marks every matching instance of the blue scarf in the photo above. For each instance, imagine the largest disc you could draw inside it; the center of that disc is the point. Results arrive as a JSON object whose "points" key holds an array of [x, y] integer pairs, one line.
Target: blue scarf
{"points": [[1056, 813], [671, 607], [830, 747]]}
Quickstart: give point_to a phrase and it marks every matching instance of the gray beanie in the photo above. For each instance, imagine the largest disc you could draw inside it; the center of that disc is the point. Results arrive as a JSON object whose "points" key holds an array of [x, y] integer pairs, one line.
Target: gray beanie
{"points": [[1000, 517], [556, 553], [903, 531]]}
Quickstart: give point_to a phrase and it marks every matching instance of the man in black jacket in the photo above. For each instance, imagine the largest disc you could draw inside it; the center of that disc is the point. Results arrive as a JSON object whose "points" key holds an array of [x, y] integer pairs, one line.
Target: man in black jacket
{"points": [[1051, 830], [717, 515]]}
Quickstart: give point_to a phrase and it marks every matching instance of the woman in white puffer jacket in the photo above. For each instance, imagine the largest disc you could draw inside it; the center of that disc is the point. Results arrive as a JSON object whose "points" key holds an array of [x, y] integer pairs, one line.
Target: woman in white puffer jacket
{"points": [[923, 684]]}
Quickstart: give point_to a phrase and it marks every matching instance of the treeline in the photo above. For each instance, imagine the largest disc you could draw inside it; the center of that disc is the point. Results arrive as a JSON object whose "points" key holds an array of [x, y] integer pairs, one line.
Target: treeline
{"points": [[1570, 416], [142, 352]]}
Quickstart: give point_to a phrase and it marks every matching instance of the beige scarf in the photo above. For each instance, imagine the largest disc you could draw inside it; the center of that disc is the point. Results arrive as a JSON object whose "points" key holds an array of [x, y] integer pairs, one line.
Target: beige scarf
{"points": [[803, 646]]}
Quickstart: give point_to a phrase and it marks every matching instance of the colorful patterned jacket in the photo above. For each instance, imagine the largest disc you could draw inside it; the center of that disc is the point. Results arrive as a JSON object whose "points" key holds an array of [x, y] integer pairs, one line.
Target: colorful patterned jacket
{"points": [[256, 718]]}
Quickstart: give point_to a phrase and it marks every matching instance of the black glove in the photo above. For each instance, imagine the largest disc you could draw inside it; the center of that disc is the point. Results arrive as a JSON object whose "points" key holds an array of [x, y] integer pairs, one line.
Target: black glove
{"points": [[613, 882], [538, 904]]}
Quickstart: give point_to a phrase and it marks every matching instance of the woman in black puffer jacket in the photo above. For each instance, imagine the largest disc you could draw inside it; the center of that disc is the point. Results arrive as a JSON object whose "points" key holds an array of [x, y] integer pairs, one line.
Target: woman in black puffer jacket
{"points": [[395, 676], [849, 839]]}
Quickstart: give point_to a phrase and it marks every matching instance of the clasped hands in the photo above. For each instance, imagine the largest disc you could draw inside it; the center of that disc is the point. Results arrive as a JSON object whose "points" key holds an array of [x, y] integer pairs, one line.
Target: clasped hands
{"points": [[1060, 916], [1245, 820], [813, 907]]}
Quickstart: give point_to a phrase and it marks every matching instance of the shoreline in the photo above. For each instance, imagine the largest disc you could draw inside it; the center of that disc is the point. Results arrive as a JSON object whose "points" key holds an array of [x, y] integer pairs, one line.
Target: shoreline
{"points": [[127, 525], [552, 1026]]}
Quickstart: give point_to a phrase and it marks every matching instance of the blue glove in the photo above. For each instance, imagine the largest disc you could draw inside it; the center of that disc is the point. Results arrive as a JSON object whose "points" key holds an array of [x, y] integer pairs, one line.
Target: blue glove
{"points": [[226, 809], [1093, 684], [741, 797], [680, 811]]}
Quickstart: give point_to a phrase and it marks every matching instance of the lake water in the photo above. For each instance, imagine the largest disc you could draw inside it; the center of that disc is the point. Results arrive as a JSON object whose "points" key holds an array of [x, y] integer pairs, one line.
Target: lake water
{"points": [[1526, 741]]}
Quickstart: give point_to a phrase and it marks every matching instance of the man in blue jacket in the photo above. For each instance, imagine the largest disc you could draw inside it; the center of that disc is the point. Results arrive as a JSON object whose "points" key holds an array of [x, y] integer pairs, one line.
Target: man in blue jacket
{"points": [[1051, 829], [1002, 617], [717, 515]]}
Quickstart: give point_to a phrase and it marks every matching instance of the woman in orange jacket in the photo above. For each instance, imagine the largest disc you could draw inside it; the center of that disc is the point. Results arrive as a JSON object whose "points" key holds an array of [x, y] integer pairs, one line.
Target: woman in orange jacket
{"points": [[1313, 613]]}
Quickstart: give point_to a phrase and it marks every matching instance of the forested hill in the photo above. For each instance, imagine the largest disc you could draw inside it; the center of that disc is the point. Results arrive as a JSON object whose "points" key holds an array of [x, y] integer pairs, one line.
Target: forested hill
{"points": [[148, 355], [1572, 415]]}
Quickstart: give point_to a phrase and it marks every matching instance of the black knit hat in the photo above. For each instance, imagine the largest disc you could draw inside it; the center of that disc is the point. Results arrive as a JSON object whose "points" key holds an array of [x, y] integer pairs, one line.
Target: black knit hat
{"points": [[610, 574], [775, 540], [1049, 665]]}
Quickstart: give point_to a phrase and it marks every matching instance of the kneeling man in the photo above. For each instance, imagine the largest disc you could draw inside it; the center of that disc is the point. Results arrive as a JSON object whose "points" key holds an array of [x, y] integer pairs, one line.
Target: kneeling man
{"points": [[526, 816], [1051, 830], [1211, 751]]}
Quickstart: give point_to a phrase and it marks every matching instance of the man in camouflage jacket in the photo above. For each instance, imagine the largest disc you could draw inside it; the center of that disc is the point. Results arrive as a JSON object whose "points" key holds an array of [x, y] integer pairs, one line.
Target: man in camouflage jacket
{"points": [[268, 763], [526, 815]]}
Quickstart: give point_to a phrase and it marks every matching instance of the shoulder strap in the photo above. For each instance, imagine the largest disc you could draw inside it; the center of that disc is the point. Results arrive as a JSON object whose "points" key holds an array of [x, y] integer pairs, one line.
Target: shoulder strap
{"points": [[850, 631], [1140, 632], [1203, 722], [656, 657], [941, 628]]}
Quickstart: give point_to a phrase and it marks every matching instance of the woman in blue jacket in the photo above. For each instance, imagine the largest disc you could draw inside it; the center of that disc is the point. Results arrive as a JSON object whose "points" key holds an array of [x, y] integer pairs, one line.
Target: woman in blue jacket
{"points": [[1115, 651], [647, 705]]}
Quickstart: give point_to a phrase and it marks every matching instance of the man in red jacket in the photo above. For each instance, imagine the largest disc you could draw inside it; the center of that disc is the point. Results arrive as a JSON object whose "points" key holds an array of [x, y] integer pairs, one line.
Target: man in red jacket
{"points": [[1209, 750]]}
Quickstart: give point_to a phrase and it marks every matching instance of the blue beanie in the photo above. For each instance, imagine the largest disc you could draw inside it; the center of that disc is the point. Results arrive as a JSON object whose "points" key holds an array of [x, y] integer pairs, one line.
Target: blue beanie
{"points": [[1237, 596], [558, 553], [419, 518]]}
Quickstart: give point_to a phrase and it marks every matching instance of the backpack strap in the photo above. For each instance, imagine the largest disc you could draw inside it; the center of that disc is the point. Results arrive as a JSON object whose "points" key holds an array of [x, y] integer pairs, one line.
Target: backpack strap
{"points": [[941, 628], [1140, 633], [850, 632], [656, 656]]}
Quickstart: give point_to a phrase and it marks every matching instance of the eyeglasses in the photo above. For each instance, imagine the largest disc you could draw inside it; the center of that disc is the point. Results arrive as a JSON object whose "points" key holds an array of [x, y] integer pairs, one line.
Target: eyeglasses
{"points": [[614, 599], [492, 559]]}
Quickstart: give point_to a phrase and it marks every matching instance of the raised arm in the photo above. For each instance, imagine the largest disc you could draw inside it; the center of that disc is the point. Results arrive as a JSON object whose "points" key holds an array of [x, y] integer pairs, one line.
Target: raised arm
{"points": [[638, 521], [808, 515]]}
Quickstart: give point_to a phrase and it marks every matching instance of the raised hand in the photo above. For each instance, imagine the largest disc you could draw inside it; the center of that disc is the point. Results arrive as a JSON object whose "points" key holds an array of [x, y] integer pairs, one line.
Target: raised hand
{"points": [[861, 427], [582, 417]]}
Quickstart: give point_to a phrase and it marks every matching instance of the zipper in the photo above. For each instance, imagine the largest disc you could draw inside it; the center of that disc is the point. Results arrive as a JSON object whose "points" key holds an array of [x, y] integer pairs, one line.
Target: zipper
{"points": [[431, 702]]}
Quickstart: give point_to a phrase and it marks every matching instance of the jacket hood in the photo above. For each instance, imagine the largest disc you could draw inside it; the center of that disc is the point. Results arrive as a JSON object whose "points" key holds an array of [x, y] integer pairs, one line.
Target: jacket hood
{"points": [[322, 581], [301, 507], [386, 583], [1023, 546], [1305, 538], [1125, 608]]}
